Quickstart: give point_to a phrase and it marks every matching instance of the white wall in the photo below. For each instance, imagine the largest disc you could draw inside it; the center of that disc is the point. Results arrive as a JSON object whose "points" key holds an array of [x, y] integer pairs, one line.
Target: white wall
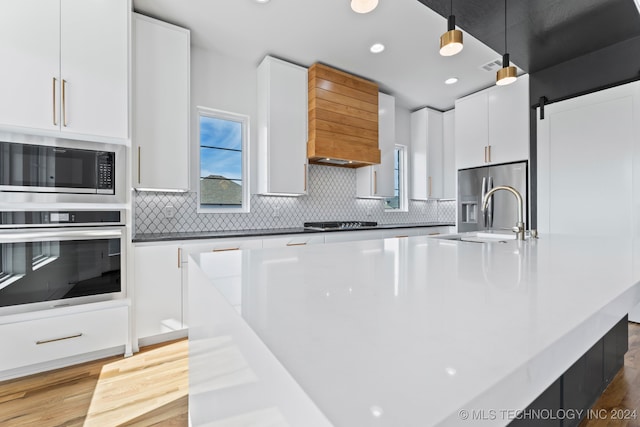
{"points": [[227, 84], [403, 126]]}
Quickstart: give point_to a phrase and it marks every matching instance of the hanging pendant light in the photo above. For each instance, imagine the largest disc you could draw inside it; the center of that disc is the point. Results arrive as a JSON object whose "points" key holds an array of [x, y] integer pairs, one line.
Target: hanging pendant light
{"points": [[508, 73], [363, 6], [451, 41]]}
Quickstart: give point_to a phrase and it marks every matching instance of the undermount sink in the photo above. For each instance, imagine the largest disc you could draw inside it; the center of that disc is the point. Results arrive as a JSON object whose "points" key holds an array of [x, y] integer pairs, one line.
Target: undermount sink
{"points": [[479, 237]]}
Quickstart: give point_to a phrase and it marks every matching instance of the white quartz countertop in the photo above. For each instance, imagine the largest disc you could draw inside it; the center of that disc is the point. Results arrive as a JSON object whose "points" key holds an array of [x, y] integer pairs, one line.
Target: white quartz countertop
{"points": [[399, 332]]}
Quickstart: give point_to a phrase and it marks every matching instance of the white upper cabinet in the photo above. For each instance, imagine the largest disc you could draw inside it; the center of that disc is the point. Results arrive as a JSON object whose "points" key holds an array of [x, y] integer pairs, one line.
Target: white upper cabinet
{"points": [[69, 67], [492, 126], [509, 121], [427, 154], [30, 43], [161, 105], [282, 127], [472, 130], [449, 174], [94, 67], [377, 181]]}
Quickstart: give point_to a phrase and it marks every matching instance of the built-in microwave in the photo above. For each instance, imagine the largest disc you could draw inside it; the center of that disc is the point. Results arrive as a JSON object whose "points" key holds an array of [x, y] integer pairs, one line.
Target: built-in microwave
{"points": [[53, 170]]}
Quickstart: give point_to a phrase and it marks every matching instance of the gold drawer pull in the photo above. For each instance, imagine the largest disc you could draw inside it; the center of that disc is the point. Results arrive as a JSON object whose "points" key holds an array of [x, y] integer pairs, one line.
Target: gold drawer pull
{"points": [[434, 234], [400, 237], [225, 249], [297, 244], [58, 339]]}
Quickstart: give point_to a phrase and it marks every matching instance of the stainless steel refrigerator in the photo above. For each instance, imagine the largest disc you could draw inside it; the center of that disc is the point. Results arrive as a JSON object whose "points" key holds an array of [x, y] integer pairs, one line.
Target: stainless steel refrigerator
{"points": [[502, 212]]}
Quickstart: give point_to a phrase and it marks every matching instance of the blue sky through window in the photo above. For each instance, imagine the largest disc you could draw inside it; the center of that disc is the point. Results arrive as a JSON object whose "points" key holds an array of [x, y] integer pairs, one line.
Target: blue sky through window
{"points": [[220, 148]]}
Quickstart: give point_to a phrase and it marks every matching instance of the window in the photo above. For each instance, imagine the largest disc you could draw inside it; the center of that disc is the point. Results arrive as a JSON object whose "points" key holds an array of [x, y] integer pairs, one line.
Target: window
{"points": [[399, 200], [223, 152]]}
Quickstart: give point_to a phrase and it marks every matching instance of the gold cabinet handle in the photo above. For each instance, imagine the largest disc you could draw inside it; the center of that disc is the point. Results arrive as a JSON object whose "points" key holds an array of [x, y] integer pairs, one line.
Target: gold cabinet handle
{"points": [[401, 237], [305, 176], [64, 103], [225, 249], [55, 110], [179, 261], [297, 244], [489, 151], [429, 186], [375, 182], [485, 154], [139, 153], [433, 234], [58, 339]]}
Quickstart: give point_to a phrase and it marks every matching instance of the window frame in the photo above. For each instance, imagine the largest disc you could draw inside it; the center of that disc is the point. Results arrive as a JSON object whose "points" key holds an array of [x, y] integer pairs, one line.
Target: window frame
{"points": [[403, 173], [246, 175]]}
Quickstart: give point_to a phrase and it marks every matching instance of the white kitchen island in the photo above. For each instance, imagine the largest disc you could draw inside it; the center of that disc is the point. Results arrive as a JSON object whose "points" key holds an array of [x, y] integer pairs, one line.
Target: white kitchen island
{"points": [[398, 332]]}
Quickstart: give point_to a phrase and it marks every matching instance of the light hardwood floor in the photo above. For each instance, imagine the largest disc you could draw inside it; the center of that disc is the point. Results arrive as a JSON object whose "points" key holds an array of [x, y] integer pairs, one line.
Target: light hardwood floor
{"points": [[147, 389], [150, 389]]}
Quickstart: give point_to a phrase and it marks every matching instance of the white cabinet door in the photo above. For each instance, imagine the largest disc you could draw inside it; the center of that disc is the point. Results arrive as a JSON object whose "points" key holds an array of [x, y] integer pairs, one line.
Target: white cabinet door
{"points": [[509, 121], [161, 105], [472, 130], [449, 174], [69, 67], [30, 52], [426, 154], [282, 127], [377, 181], [492, 126], [158, 289], [94, 53]]}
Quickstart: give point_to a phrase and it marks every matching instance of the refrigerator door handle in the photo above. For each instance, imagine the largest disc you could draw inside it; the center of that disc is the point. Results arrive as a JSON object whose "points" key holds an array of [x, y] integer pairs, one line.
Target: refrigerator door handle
{"points": [[483, 191], [490, 207]]}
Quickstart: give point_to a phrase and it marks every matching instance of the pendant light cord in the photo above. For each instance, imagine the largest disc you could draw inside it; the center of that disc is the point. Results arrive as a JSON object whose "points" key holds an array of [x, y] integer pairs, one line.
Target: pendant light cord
{"points": [[505, 26]]}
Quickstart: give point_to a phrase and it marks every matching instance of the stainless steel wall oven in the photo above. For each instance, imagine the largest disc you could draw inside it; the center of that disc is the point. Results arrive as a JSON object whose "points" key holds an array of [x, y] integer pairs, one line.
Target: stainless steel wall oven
{"points": [[53, 258]]}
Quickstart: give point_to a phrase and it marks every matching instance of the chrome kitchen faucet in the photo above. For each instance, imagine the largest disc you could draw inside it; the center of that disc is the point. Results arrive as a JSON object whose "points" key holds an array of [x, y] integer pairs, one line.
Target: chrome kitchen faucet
{"points": [[519, 228]]}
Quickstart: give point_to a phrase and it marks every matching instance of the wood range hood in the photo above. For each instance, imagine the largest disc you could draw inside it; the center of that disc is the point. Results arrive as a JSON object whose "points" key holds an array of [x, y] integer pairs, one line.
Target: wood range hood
{"points": [[343, 119]]}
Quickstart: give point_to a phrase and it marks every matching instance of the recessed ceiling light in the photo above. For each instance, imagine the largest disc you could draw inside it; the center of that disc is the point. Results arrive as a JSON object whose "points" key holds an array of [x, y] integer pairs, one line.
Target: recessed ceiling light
{"points": [[376, 48], [451, 80], [262, 1]]}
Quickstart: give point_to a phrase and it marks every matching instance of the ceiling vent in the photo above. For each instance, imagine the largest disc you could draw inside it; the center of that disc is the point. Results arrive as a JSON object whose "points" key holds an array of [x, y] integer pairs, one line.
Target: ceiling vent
{"points": [[492, 66]]}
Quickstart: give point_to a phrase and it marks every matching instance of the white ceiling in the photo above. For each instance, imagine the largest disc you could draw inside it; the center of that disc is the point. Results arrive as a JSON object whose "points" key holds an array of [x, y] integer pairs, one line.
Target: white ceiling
{"points": [[328, 31]]}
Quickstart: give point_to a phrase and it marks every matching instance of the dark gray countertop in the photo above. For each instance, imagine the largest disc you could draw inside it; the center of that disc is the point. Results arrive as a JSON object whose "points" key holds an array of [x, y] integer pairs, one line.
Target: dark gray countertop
{"points": [[161, 237]]}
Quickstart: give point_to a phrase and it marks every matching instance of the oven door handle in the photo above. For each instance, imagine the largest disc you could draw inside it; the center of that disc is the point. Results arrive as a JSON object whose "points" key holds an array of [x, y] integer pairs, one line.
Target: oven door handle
{"points": [[48, 234]]}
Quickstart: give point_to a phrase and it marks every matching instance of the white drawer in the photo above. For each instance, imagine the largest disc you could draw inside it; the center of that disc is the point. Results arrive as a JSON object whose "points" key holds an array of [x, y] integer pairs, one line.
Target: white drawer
{"points": [[352, 236], [46, 339], [293, 240], [220, 245]]}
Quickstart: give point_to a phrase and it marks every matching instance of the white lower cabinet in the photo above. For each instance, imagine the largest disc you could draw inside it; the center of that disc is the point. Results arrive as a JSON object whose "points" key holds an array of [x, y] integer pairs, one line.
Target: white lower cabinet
{"points": [[161, 279], [64, 334], [161, 284], [158, 289]]}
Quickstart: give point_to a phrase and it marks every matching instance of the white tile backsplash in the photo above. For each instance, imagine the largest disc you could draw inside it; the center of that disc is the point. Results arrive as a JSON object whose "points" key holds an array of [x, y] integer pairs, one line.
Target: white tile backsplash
{"points": [[331, 197]]}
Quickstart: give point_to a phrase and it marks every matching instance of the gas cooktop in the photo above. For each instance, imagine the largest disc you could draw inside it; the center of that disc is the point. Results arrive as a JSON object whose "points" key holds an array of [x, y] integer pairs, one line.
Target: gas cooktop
{"points": [[339, 225]]}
